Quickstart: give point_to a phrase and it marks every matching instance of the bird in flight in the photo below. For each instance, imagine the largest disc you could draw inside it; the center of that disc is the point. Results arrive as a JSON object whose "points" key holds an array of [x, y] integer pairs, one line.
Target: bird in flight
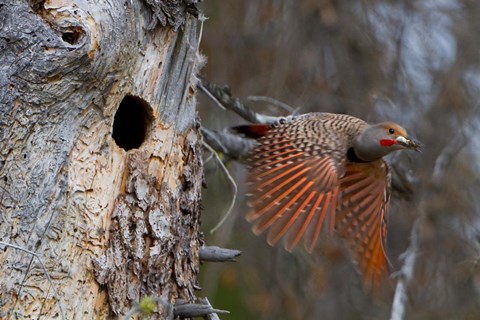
{"points": [[324, 171]]}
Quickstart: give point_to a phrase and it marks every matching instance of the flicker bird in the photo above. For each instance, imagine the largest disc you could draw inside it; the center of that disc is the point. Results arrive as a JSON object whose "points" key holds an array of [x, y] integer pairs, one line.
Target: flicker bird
{"points": [[323, 170]]}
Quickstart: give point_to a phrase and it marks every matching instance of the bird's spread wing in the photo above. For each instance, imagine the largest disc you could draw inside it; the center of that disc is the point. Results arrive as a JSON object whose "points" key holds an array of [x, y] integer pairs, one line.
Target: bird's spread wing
{"points": [[293, 181], [362, 206], [299, 180]]}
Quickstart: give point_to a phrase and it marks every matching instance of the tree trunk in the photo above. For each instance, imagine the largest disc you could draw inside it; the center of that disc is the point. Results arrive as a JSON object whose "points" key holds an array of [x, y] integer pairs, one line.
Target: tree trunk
{"points": [[100, 168]]}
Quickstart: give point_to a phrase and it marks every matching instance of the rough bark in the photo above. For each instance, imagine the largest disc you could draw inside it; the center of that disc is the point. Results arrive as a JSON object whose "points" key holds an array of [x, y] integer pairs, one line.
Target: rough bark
{"points": [[110, 225]]}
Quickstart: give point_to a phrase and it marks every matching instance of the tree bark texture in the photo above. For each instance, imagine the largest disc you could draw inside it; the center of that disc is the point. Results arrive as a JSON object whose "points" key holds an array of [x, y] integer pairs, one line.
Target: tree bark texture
{"points": [[110, 225]]}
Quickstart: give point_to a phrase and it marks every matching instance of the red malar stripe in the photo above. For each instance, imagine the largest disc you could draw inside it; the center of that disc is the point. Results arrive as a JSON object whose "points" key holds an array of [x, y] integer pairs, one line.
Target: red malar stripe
{"points": [[387, 143]]}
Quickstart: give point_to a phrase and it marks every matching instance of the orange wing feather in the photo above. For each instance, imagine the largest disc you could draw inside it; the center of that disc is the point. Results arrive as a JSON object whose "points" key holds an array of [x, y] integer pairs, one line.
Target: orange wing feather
{"points": [[361, 216], [290, 192], [294, 188]]}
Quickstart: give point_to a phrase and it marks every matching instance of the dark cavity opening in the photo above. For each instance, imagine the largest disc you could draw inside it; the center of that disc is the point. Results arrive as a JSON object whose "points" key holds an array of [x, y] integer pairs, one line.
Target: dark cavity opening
{"points": [[132, 122], [73, 35]]}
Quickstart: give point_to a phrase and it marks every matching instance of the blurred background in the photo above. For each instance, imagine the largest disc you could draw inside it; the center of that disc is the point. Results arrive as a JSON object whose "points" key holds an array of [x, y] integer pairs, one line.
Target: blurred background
{"points": [[414, 62]]}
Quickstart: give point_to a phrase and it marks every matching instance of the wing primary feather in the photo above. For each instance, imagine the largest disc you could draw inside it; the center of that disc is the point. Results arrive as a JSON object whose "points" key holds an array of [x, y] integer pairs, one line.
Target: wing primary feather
{"points": [[290, 244], [320, 167], [318, 227], [358, 185], [373, 267], [274, 237], [273, 190], [369, 210], [362, 203], [333, 211], [323, 174], [279, 176], [269, 164], [384, 236], [355, 195], [331, 179], [271, 171], [372, 262], [265, 225], [260, 227], [373, 232], [348, 210], [348, 177], [266, 160], [355, 224], [368, 205], [365, 191]]}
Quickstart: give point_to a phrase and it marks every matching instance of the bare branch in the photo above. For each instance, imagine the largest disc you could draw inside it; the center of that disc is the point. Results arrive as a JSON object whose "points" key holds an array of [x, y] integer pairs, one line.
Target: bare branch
{"points": [[217, 254], [202, 19], [405, 276], [233, 145], [184, 309], [211, 316], [224, 99], [275, 102], [234, 185]]}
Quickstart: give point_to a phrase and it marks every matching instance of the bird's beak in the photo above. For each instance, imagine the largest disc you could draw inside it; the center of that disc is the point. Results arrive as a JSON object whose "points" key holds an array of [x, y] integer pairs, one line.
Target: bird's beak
{"points": [[408, 143]]}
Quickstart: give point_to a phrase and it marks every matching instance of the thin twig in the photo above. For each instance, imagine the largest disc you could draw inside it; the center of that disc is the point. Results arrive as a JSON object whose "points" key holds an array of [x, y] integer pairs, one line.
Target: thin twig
{"points": [[232, 145], [275, 102], [405, 275], [210, 95], [34, 254], [232, 181], [211, 316], [212, 138], [223, 98], [209, 158], [202, 19]]}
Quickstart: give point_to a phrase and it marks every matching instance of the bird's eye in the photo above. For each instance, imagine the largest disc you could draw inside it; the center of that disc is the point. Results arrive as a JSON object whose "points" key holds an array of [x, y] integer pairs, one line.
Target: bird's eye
{"points": [[391, 131]]}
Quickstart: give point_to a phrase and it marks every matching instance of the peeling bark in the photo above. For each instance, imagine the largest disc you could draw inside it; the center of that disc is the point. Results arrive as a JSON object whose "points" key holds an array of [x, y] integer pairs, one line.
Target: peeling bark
{"points": [[100, 217], [154, 234]]}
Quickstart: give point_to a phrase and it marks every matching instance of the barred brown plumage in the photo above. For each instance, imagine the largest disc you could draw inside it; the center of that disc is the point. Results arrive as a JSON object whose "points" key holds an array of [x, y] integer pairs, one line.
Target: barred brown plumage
{"points": [[325, 168]]}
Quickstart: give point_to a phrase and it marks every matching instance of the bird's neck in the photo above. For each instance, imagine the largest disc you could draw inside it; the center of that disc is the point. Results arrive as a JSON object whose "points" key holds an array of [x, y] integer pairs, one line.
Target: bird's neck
{"points": [[352, 156]]}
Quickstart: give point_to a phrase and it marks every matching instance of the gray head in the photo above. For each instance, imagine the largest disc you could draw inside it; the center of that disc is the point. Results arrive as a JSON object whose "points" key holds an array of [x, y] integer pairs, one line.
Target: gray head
{"points": [[378, 140]]}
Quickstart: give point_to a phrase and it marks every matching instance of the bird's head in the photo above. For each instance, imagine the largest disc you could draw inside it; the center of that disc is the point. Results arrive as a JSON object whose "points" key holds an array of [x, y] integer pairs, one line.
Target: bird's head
{"points": [[380, 139]]}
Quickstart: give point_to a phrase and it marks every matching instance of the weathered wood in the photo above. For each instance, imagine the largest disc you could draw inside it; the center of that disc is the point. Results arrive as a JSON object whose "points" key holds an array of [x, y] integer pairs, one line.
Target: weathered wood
{"points": [[182, 309], [217, 254], [110, 225]]}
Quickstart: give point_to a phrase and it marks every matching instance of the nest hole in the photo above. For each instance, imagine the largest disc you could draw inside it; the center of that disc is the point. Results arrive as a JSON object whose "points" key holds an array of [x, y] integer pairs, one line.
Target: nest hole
{"points": [[132, 123], [73, 35]]}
